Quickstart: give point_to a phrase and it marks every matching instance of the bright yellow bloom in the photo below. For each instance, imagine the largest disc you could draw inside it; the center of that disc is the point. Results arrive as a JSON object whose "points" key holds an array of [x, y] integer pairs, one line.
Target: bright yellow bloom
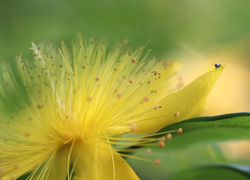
{"points": [[63, 112]]}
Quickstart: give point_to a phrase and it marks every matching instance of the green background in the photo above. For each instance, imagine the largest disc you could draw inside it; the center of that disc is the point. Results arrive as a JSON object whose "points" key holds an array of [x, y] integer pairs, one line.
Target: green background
{"points": [[204, 25]]}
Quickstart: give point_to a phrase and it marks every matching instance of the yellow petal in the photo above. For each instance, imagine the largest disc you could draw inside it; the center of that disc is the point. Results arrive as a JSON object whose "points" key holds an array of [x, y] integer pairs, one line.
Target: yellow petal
{"points": [[59, 165], [186, 103], [94, 161]]}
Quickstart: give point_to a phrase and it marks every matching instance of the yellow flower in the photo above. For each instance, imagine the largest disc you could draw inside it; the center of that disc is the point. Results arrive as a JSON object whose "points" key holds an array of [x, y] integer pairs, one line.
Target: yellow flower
{"points": [[63, 112]]}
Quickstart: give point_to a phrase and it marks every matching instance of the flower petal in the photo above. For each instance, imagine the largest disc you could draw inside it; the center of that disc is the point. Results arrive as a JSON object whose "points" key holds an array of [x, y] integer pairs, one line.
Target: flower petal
{"points": [[94, 161], [186, 103], [60, 163]]}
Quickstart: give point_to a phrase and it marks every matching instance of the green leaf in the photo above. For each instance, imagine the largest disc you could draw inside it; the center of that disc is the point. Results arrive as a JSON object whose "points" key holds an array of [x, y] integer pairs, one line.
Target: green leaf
{"points": [[196, 147], [203, 130], [215, 172], [191, 163]]}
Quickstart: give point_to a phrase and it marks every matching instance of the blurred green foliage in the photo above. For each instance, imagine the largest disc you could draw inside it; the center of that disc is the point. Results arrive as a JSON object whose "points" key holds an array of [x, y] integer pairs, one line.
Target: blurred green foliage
{"points": [[201, 24]]}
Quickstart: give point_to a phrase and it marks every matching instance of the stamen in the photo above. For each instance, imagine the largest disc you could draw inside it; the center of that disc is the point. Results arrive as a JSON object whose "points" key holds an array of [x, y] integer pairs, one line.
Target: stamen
{"points": [[27, 134], [180, 130], [89, 98], [177, 114], [169, 136], [131, 81], [157, 162], [16, 166], [97, 79], [134, 60], [148, 151], [125, 41], [119, 95], [147, 98], [157, 107], [161, 144], [163, 139], [133, 127], [138, 158], [67, 137], [39, 106]]}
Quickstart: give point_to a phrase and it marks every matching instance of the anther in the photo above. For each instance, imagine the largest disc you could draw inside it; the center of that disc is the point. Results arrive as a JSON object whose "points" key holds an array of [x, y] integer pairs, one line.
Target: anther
{"points": [[177, 114], [157, 162], [119, 95], [169, 136], [125, 41], [154, 72], [153, 91], [16, 166], [163, 139], [146, 98], [39, 106], [133, 127], [161, 144], [67, 137], [27, 134], [157, 107], [131, 81], [148, 151], [179, 131], [134, 60], [97, 79], [20, 54], [89, 98]]}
